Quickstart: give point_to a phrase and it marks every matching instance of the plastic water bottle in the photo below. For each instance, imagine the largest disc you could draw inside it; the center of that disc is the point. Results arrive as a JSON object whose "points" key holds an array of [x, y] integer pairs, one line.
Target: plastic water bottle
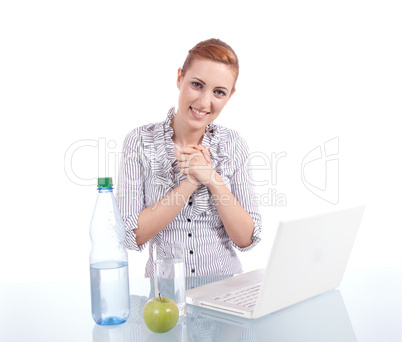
{"points": [[110, 292]]}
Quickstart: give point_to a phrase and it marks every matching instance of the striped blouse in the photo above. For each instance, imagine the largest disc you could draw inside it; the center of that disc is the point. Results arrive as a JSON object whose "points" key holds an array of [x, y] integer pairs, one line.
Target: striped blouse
{"points": [[149, 171]]}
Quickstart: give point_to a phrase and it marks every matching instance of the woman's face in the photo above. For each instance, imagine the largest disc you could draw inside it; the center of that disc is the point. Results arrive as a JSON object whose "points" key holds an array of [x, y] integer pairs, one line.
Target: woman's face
{"points": [[205, 89]]}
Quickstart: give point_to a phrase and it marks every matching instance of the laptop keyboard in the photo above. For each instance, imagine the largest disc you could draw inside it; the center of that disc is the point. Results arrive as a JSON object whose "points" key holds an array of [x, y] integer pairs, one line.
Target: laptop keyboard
{"points": [[245, 297]]}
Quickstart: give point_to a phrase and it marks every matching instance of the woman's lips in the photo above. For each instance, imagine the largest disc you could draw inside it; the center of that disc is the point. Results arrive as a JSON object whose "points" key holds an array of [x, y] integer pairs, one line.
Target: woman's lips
{"points": [[198, 114]]}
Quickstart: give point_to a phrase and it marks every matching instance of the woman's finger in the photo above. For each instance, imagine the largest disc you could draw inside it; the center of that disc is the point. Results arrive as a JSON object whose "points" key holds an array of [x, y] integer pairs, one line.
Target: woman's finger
{"points": [[182, 164], [185, 171], [205, 152]]}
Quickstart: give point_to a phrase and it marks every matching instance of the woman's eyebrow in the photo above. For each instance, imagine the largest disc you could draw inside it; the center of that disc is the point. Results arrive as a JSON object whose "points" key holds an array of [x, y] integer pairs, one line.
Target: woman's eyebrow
{"points": [[224, 88], [199, 80], [203, 83]]}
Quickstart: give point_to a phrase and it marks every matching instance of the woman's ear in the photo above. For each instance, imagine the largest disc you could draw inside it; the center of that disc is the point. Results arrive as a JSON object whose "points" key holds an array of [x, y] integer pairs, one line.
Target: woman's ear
{"points": [[232, 92], [179, 77]]}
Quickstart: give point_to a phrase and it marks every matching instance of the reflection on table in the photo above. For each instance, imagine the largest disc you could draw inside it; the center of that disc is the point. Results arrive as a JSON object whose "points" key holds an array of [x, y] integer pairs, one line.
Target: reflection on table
{"points": [[61, 311], [323, 318]]}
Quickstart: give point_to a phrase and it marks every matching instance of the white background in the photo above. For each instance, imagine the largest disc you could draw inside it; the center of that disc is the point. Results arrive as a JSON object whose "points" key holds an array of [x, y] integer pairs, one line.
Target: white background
{"points": [[77, 76]]}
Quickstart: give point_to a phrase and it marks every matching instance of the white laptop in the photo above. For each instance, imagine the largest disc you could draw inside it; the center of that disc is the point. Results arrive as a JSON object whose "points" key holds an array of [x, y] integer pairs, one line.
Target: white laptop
{"points": [[308, 257]]}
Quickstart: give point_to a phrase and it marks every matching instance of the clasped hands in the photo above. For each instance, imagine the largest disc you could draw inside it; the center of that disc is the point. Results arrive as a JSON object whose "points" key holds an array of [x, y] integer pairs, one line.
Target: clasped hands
{"points": [[195, 162]]}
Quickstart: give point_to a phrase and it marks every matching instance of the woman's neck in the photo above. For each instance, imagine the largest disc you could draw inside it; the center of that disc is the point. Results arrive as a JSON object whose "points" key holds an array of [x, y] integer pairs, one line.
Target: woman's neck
{"points": [[183, 136]]}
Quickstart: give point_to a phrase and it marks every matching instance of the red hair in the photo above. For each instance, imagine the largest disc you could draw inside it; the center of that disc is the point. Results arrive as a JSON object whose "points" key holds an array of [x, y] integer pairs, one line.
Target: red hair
{"points": [[214, 50]]}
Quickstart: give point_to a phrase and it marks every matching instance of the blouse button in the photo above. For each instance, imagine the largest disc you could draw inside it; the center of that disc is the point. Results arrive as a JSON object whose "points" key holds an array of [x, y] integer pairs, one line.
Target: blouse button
{"points": [[189, 235], [190, 203], [192, 270], [191, 252], [188, 220]]}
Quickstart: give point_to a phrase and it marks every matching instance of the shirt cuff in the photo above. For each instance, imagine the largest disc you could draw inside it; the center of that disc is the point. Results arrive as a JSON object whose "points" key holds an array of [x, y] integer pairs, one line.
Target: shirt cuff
{"points": [[131, 224], [256, 235]]}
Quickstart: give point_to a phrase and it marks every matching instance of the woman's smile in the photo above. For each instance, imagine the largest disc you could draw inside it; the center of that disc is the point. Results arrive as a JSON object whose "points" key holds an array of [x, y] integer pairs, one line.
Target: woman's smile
{"points": [[197, 113]]}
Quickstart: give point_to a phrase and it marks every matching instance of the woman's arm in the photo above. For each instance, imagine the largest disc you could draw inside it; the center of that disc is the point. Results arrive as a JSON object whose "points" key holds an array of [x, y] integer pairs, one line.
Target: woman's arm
{"points": [[237, 222], [155, 218], [142, 223]]}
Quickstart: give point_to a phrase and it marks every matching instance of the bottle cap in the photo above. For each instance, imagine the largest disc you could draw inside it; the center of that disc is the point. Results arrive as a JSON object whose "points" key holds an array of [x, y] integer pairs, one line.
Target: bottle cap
{"points": [[105, 182]]}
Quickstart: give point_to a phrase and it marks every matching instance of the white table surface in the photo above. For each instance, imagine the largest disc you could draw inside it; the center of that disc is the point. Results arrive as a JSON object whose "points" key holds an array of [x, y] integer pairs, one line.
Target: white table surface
{"points": [[366, 307]]}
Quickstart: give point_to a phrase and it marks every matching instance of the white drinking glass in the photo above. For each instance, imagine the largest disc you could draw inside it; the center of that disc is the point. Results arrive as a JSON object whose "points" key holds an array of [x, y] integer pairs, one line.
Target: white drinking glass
{"points": [[170, 280]]}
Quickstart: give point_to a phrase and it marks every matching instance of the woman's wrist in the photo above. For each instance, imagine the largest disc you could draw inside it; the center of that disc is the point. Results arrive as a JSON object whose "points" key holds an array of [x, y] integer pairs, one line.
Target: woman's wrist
{"points": [[190, 185], [215, 182]]}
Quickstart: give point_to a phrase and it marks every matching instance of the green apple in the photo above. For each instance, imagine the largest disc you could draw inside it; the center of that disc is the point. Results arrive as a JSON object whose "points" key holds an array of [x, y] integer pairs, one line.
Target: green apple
{"points": [[160, 314]]}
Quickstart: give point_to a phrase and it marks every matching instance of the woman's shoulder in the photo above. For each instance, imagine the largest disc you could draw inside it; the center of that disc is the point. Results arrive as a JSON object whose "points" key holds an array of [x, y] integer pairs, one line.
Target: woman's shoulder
{"points": [[140, 135]]}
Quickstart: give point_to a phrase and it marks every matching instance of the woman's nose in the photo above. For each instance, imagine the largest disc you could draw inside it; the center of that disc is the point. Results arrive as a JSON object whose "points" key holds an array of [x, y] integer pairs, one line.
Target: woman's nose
{"points": [[205, 101]]}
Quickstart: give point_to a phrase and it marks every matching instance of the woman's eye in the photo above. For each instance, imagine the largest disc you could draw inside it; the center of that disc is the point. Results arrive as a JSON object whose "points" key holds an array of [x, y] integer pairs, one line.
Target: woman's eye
{"points": [[197, 85], [220, 93]]}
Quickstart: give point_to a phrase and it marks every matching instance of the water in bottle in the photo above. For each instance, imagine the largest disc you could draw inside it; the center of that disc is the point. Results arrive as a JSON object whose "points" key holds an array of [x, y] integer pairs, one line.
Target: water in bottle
{"points": [[110, 293]]}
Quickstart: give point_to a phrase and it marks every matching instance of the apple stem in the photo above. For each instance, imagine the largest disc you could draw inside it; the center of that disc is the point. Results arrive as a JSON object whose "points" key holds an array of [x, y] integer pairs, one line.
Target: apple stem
{"points": [[160, 298]]}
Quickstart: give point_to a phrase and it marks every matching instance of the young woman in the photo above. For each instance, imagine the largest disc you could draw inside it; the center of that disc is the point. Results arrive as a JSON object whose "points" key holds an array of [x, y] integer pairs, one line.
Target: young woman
{"points": [[186, 180]]}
